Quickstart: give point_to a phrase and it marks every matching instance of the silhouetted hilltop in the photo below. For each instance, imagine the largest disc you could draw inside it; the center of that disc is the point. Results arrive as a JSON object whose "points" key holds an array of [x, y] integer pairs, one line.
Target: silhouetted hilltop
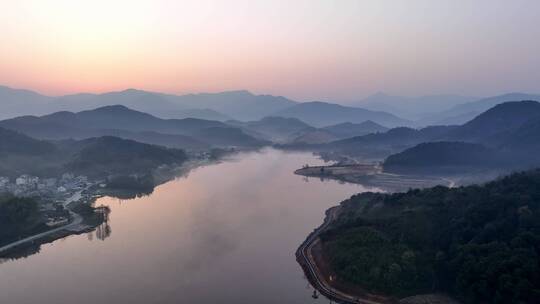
{"points": [[214, 106], [496, 122], [414, 108], [465, 112], [15, 143], [321, 114], [505, 136], [349, 129], [109, 155], [121, 121], [276, 129], [445, 157], [384, 144], [96, 157]]}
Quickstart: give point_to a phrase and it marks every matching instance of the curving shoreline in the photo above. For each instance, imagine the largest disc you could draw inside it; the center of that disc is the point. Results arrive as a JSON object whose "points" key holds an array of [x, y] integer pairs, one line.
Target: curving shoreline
{"points": [[305, 258], [77, 226]]}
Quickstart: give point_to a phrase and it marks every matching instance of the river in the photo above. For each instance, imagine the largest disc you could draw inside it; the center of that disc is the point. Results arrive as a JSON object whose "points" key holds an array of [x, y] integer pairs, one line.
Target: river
{"points": [[225, 233]]}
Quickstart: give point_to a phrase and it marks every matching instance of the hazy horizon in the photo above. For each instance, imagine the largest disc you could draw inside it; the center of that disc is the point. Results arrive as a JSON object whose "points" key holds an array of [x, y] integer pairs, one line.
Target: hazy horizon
{"points": [[308, 50], [338, 101]]}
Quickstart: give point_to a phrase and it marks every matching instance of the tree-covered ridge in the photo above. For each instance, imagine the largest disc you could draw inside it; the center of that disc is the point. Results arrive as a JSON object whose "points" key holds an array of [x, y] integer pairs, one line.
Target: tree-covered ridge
{"points": [[445, 157], [93, 157], [506, 136], [17, 217], [111, 155], [478, 243], [17, 143]]}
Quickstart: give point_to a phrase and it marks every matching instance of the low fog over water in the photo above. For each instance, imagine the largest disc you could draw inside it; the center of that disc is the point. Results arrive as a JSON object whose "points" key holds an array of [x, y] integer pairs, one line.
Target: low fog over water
{"points": [[226, 233]]}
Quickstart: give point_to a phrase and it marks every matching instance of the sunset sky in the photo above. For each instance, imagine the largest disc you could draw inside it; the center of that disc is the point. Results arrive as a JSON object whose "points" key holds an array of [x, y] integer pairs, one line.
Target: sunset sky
{"points": [[303, 49]]}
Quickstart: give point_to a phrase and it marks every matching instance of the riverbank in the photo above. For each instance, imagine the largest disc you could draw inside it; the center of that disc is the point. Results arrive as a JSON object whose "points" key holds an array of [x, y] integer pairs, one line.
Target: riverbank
{"points": [[84, 217], [339, 171], [222, 230], [311, 258], [79, 224], [372, 175], [319, 274]]}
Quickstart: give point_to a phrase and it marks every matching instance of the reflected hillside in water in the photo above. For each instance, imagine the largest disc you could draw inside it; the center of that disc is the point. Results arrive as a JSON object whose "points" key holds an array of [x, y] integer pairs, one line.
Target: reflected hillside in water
{"points": [[100, 229], [128, 187], [230, 227], [123, 189]]}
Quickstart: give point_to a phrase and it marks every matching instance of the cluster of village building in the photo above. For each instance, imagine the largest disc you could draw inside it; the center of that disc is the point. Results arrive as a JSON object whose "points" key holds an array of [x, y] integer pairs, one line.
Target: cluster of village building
{"points": [[55, 188], [54, 193]]}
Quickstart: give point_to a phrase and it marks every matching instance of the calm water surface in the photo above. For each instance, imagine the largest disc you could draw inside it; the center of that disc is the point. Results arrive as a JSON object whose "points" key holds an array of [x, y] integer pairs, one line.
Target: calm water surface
{"points": [[226, 233]]}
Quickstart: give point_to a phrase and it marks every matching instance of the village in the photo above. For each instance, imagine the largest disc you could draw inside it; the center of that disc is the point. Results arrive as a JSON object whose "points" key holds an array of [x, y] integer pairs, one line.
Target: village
{"points": [[53, 194]]}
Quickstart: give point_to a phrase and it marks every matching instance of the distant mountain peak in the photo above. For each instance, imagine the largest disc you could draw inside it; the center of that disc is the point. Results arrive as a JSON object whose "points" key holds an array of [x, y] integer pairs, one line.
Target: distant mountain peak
{"points": [[279, 118], [491, 124], [117, 110], [379, 95], [370, 123], [523, 105], [320, 114], [130, 90], [239, 92], [116, 107]]}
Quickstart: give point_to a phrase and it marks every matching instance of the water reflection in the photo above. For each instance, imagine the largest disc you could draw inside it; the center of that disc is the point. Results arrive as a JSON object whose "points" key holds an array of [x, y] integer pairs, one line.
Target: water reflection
{"points": [[103, 230], [21, 252], [225, 234]]}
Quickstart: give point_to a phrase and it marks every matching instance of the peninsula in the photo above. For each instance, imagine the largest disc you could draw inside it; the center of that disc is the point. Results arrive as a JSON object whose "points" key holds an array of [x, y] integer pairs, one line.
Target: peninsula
{"points": [[432, 241]]}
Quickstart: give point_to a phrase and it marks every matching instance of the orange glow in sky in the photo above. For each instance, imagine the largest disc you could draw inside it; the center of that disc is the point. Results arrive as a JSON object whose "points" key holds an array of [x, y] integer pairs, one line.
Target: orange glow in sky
{"points": [[304, 49]]}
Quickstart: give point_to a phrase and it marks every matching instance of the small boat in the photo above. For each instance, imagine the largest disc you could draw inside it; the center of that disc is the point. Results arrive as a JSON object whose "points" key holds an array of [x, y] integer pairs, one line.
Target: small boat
{"points": [[315, 295]]}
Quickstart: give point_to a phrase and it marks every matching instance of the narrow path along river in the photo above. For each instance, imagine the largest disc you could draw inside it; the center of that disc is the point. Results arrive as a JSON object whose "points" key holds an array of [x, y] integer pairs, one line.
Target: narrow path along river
{"points": [[226, 233]]}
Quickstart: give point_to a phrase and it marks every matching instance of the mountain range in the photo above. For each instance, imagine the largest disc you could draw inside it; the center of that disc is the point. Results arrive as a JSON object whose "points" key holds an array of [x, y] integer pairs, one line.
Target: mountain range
{"points": [[339, 131], [379, 145], [95, 157], [222, 106], [384, 109], [231, 105], [188, 133], [275, 129], [108, 155], [511, 130], [348, 129], [412, 108], [437, 109], [507, 133], [462, 113], [292, 130], [505, 136], [320, 114]]}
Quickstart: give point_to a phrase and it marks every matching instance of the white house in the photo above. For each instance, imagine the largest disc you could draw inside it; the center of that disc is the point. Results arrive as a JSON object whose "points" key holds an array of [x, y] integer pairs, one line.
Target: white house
{"points": [[26, 179]]}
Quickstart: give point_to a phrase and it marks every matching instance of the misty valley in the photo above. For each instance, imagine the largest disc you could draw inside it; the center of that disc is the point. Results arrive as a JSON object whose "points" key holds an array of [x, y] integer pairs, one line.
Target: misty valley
{"points": [[268, 201], [270, 151]]}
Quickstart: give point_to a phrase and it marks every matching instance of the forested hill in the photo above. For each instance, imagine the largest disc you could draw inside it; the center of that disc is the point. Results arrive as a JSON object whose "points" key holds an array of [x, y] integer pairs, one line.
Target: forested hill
{"points": [[480, 244], [110, 155], [12, 142], [94, 157], [444, 158]]}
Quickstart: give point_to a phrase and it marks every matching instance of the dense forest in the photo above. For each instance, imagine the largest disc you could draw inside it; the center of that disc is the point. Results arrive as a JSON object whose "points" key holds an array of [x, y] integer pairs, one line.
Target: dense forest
{"points": [[444, 157], [93, 157], [112, 155], [480, 244], [18, 216]]}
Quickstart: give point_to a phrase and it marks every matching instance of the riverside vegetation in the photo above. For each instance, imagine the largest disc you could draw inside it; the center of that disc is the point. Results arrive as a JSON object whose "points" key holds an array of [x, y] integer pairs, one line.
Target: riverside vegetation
{"points": [[480, 244], [19, 216]]}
